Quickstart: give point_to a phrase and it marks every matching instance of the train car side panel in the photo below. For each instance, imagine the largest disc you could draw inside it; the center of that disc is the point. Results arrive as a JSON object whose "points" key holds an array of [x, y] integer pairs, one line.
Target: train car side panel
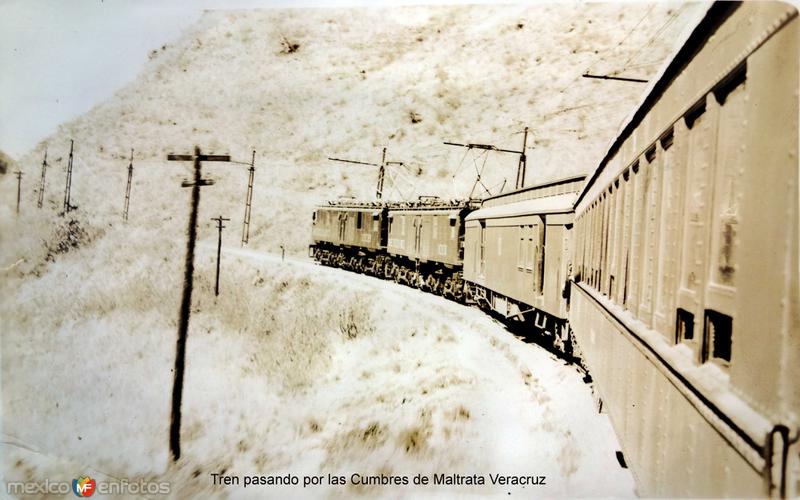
{"points": [[665, 440], [700, 290]]}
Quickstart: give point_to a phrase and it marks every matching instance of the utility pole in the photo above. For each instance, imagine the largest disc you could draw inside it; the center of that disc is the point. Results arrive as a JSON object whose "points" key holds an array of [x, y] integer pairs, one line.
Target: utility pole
{"points": [[248, 204], [40, 202], [128, 189], [381, 170], [186, 302], [19, 187], [523, 160], [381, 173], [220, 227], [67, 203]]}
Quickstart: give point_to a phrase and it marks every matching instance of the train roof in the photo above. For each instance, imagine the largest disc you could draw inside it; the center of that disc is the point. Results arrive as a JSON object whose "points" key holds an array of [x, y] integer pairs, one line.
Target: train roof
{"points": [[354, 204], [556, 204], [572, 184], [434, 203], [424, 203], [708, 21]]}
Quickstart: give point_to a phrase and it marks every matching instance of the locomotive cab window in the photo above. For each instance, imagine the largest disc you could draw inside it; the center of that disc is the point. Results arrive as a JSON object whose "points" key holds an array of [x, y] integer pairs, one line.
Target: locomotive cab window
{"points": [[359, 217]]}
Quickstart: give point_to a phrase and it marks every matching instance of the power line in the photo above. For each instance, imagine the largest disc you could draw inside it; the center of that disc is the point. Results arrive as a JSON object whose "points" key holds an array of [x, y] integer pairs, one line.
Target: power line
{"points": [[381, 169], [619, 44], [653, 38]]}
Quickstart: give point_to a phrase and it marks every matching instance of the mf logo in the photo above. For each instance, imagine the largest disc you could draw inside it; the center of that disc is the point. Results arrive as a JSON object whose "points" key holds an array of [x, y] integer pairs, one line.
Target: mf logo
{"points": [[84, 486]]}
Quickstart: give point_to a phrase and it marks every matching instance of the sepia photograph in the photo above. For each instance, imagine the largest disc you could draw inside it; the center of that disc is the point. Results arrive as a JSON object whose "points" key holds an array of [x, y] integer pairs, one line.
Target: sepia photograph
{"points": [[399, 249]]}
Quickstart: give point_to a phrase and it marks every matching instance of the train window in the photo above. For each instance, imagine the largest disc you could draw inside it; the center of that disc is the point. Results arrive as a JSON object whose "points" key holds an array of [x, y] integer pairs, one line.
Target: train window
{"points": [[717, 336], [695, 112], [730, 82], [667, 138], [684, 325], [452, 222], [650, 154]]}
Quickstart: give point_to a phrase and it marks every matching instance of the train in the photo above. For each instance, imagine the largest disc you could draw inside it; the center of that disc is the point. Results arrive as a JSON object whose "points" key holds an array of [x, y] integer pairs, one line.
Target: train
{"points": [[670, 272]]}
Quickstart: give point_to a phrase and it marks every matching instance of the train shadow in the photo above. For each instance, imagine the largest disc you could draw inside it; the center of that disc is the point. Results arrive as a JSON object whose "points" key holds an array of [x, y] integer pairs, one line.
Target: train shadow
{"points": [[528, 333]]}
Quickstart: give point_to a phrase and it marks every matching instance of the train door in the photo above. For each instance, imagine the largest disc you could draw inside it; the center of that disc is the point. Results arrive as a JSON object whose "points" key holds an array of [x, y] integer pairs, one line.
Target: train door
{"points": [[417, 236], [701, 131], [342, 226], [426, 238]]}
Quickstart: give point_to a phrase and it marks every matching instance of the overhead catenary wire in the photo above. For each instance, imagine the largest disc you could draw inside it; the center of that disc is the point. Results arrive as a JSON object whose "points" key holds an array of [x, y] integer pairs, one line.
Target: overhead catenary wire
{"points": [[652, 39], [603, 56]]}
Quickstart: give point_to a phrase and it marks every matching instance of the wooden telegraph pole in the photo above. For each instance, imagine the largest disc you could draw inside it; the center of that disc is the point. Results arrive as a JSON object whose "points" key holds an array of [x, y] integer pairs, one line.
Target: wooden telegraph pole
{"points": [[186, 303], [40, 202], [19, 187], [67, 202], [248, 204], [128, 189], [220, 227]]}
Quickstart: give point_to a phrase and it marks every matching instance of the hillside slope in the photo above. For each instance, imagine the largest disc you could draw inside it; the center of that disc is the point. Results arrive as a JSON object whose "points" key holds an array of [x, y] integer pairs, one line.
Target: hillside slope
{"points": [[300, 85], [6, 163]]}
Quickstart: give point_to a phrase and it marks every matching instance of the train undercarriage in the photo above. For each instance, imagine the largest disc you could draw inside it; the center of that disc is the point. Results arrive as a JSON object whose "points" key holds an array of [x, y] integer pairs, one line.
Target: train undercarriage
{"points": [[431, 277], [551, 332]]}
